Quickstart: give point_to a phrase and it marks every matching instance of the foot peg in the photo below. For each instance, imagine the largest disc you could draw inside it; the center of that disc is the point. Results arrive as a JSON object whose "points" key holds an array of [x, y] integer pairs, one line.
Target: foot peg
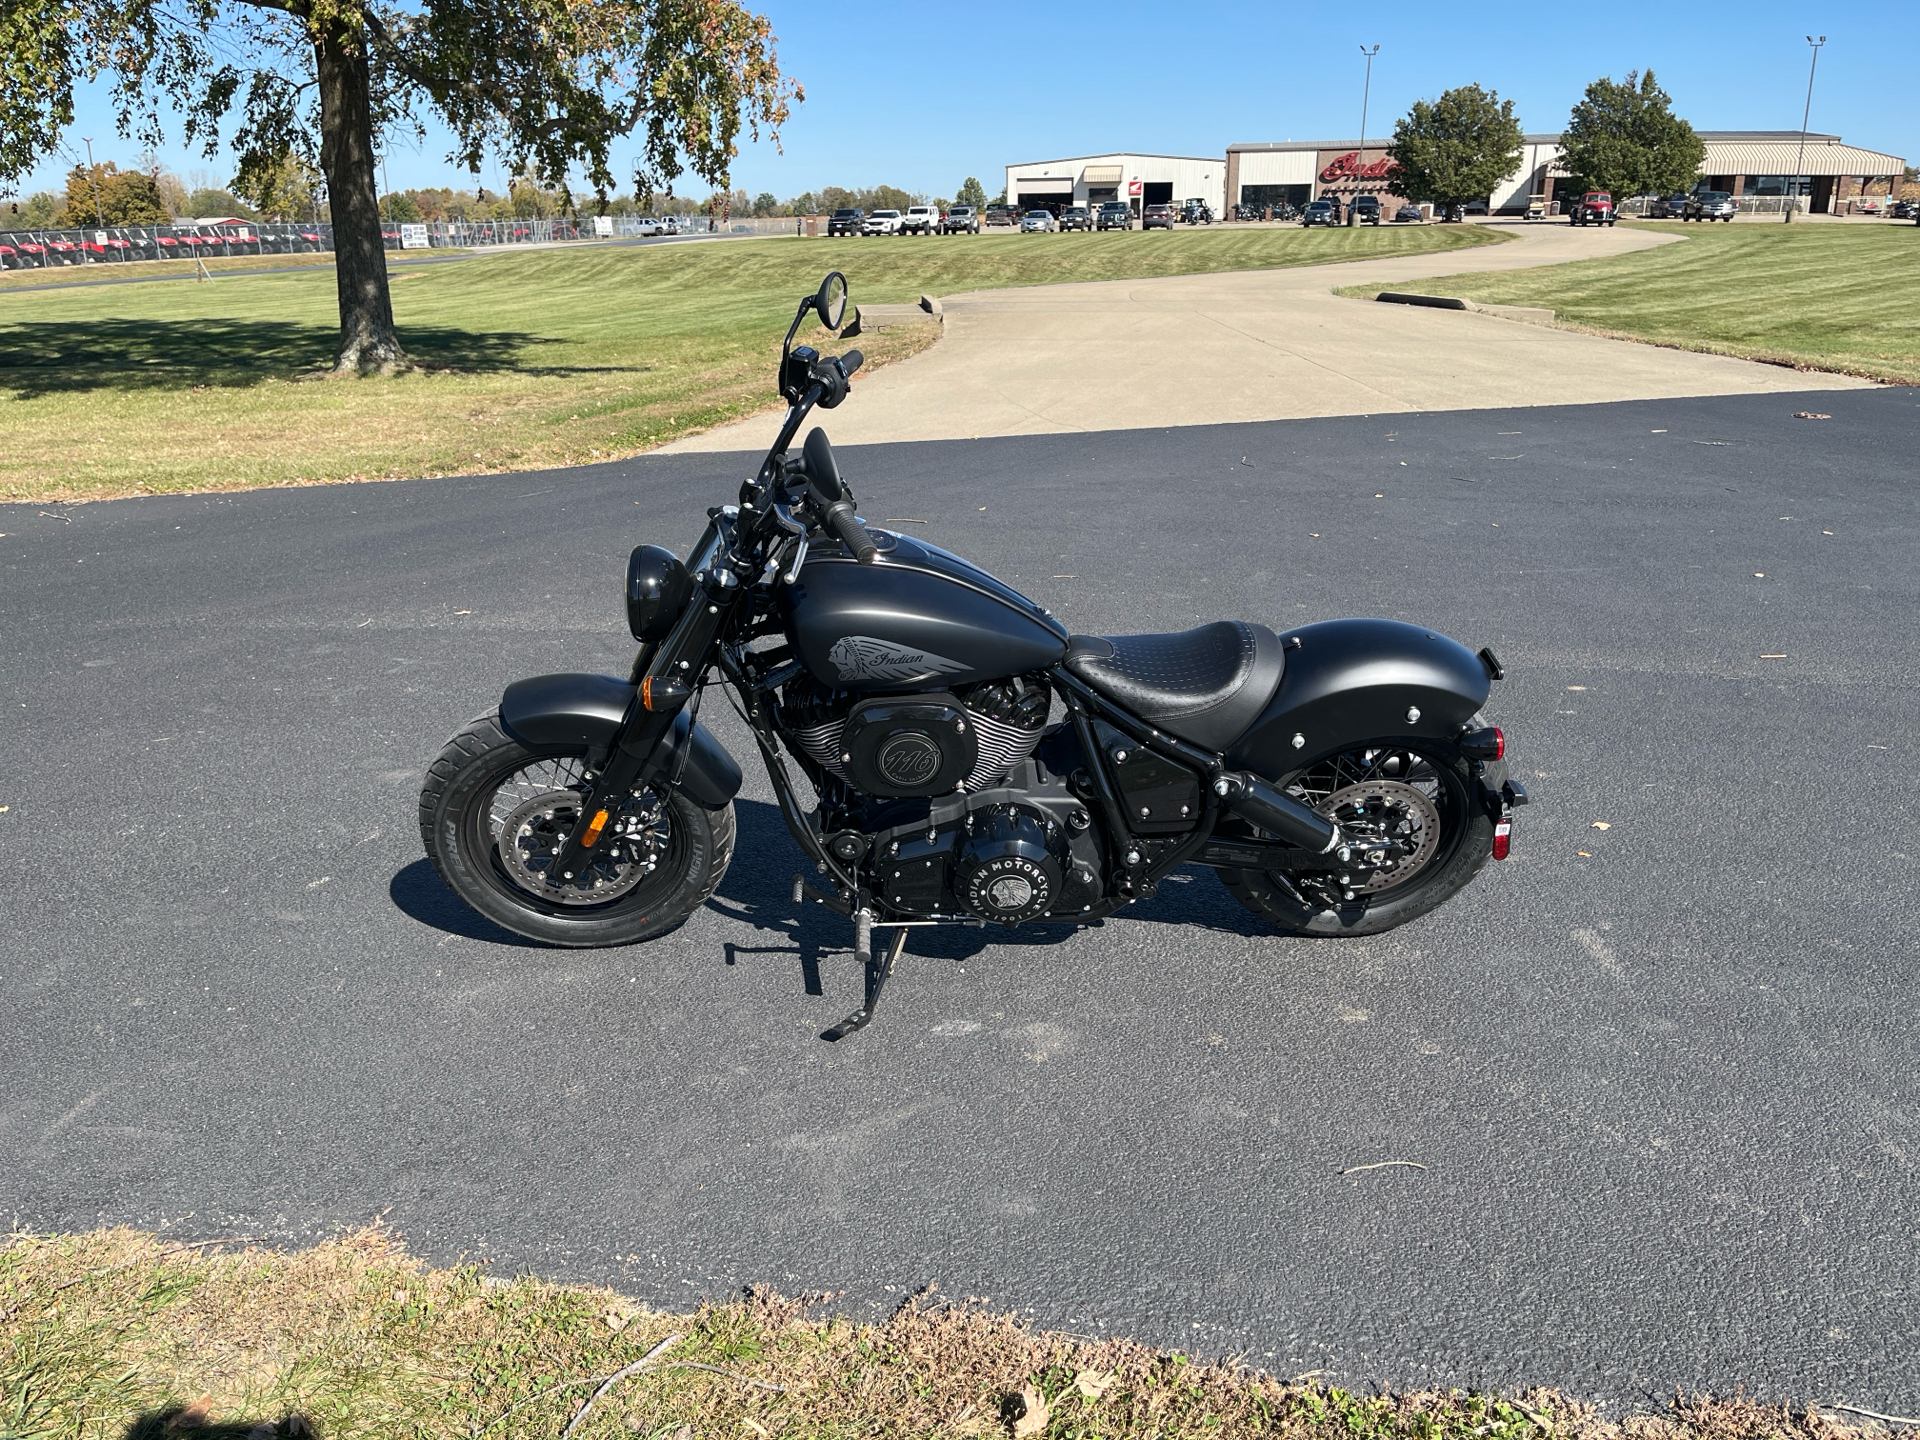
{"points": [[877, 972]]}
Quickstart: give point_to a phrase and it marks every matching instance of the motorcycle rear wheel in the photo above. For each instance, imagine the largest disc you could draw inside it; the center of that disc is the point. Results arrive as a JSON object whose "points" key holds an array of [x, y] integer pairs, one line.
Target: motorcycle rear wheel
{"points": [[1381, 775], [491, 813]]}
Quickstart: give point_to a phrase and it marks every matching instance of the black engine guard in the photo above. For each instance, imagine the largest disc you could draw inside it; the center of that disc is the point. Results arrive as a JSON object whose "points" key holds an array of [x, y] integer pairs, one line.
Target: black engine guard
{"points": [[589, 710]]}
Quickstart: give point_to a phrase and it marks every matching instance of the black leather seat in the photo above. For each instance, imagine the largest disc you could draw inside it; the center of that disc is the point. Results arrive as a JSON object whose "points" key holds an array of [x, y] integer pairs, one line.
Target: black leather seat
{"points": [[1204, 686]]}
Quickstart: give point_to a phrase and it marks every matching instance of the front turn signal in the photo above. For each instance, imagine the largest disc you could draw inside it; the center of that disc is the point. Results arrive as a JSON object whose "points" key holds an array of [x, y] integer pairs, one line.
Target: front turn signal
{"points": [[659, 693]]}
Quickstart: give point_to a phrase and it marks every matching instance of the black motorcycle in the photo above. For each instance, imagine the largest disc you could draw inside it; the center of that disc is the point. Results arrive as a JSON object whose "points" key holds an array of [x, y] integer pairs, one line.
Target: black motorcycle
{"points": [[972, 762]]}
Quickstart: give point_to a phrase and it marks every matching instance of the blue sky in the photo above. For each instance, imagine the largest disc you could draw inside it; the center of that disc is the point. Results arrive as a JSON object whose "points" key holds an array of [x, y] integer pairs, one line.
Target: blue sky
{"points": [[921, 95]]}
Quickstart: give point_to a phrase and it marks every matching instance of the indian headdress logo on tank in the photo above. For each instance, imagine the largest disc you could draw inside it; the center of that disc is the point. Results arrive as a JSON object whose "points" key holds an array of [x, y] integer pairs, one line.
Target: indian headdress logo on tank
{"points": [[863, 657]]}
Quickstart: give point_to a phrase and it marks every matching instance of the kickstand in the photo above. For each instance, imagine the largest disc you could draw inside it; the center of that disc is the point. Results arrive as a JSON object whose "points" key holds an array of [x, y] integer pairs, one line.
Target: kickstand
{"points": [[877, 973]]}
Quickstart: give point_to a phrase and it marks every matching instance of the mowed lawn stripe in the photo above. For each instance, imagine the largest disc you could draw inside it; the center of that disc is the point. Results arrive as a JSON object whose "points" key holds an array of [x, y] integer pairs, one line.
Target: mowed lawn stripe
{"points": [[1824, 296], [528, 360]]}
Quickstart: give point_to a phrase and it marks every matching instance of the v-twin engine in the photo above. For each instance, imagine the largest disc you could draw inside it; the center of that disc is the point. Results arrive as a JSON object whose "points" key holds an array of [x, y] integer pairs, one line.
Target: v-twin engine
{"points": [[927, 743]]}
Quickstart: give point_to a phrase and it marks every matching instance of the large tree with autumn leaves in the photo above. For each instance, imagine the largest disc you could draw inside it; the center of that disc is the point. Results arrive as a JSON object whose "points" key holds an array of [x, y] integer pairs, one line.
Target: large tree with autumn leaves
{"points": [[555, 84]]}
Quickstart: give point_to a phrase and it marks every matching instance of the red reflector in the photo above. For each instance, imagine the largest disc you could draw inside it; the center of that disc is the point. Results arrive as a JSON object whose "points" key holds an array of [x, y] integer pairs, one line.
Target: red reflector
{"points": [[1502, 838], [1499, 743]]}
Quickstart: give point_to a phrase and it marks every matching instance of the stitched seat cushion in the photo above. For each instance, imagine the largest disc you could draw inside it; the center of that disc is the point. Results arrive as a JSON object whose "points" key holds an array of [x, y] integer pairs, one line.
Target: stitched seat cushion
{"points": [[1204, 685]]}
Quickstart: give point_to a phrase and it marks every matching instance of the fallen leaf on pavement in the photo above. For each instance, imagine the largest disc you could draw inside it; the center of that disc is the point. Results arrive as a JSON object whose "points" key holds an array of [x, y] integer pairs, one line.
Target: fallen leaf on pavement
{"points": [[1602, 825]]}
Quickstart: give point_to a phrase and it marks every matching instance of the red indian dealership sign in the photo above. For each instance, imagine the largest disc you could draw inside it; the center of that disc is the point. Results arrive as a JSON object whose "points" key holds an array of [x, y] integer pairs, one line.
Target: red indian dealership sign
{"points": [[1348, 167]]}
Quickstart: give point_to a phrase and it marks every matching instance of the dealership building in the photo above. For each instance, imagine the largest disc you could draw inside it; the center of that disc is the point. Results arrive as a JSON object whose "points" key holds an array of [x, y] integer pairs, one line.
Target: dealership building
{"points": [[1761, 167], [1751, 164], [1141, 180]]}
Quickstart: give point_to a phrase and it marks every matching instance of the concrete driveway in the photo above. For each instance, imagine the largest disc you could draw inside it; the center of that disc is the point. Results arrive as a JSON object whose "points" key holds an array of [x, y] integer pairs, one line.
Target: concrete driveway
{"points": [[1262, 345]]}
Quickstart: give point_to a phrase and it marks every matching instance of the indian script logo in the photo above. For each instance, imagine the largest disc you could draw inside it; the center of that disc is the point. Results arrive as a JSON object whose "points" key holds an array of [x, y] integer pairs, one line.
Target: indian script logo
{"points": [[865, 657]]}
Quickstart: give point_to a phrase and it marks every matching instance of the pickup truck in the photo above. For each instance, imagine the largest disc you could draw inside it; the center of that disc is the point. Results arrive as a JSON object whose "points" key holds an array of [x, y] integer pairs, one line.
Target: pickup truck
{"points": [[881, 222], [1002, 215], [1593, 208], [1115, 215], [845, 222], [1709, 205], [920, 220]]}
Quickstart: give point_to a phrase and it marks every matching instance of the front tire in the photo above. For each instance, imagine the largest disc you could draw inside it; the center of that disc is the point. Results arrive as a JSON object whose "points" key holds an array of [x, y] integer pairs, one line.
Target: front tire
{"points": [[493, 807], [1378, 785]]}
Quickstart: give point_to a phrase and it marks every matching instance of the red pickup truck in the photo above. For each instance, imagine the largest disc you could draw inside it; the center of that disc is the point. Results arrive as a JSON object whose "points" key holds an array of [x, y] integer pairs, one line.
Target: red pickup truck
{"points": [[1593, 208]]}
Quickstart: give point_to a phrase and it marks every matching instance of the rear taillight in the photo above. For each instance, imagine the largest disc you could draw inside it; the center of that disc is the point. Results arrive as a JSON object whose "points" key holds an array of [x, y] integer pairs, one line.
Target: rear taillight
{"points": [[1502, 838], [1486, 743]]}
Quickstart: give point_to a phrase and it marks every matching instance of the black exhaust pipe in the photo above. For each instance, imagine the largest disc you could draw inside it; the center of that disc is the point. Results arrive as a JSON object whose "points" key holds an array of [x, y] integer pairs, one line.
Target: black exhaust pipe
{"points": [[1254, 799]]}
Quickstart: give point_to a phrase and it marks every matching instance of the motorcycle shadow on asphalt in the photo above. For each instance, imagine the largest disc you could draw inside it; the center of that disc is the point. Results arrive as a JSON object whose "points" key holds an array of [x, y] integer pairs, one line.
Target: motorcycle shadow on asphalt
{"points": [[759, 892]]}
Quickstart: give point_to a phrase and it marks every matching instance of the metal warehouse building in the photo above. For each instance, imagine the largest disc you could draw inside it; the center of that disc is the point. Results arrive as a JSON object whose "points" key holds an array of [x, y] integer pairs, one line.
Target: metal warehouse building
{"points": [[1762, 167], [1141, 180]]}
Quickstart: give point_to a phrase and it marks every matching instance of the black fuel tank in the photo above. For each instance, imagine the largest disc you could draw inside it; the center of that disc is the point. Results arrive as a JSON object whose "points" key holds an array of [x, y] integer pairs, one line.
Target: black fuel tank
{"points": [[916, 617]]}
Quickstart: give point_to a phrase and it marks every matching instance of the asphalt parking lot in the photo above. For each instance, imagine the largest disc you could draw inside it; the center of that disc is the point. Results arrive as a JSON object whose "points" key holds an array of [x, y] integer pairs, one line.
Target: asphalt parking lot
{"points": [[1660, 1068]]}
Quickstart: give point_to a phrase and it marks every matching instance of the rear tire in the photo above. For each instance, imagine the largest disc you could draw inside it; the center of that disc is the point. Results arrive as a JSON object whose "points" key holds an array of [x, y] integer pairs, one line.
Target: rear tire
{"points": [[1464, 844], [484, 769]]}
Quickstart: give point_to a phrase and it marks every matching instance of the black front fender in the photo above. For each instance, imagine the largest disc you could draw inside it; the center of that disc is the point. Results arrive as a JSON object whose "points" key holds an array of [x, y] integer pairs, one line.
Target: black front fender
{"points": [[590, 709], [1352, 680]]}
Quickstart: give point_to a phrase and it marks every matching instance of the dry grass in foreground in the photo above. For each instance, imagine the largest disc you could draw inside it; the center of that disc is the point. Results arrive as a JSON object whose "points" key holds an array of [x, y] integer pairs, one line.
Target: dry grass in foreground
{"points": [[123, 1334]]}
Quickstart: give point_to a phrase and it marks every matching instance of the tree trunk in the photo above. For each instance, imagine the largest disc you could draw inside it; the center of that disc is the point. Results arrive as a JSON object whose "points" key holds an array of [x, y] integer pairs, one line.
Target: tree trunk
{"points": [[367, 341]]}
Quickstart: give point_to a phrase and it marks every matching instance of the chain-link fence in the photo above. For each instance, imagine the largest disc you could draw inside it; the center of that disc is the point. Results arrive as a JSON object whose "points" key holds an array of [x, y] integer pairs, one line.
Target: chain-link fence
{"points": [[124, 244]]}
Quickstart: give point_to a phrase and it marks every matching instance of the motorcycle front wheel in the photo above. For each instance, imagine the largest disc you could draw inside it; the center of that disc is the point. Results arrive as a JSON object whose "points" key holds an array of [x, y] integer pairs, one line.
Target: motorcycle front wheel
{"points": [[494, 811], [1417, 801]]}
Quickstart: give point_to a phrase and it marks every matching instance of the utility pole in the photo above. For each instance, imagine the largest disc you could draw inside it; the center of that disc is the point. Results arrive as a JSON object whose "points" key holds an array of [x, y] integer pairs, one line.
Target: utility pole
{"points": [[1366, 94], [1793, 201], [94, 180]]}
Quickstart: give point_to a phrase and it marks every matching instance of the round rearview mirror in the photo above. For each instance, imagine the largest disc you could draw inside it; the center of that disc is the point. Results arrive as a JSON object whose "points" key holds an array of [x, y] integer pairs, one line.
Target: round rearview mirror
{"points": [[831, 301]]}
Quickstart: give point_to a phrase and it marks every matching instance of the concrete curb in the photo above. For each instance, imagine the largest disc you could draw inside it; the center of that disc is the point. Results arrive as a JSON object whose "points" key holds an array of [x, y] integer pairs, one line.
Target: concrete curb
{"points": [[1526, 314]]}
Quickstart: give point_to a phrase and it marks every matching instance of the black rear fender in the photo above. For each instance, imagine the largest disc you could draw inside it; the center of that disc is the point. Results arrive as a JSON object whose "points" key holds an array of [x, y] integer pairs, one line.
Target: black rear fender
{"points": [[589, 710], [1353, 680]]}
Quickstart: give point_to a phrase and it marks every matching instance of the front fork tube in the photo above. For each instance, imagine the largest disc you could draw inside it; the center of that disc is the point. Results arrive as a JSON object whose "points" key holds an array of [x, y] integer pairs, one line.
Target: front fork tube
{"points": [[684, 656]]}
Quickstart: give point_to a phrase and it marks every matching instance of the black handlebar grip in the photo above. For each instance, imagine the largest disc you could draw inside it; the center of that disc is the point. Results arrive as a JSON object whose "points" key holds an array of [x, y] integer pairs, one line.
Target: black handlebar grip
{"points": [[852, 361], [847, 528]]}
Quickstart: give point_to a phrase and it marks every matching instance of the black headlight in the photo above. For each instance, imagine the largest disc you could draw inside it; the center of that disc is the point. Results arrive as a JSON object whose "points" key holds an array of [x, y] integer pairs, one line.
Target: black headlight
{"points": [[658, 587]]}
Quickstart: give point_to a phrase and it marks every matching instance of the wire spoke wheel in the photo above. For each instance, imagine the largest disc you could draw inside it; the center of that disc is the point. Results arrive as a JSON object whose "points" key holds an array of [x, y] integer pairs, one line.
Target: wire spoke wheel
{"points": [[1411, 838], [495, 813]]}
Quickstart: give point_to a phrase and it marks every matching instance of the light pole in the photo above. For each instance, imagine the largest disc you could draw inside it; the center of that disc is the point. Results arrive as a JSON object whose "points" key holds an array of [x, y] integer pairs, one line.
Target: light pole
{"points": [[94, 180], [1793, 201], [1366, 94]]}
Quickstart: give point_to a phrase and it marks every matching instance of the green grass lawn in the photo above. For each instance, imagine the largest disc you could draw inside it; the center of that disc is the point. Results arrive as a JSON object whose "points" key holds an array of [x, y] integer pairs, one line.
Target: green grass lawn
{"points": [[120, 1334], [1821, 296], [543, 358]]}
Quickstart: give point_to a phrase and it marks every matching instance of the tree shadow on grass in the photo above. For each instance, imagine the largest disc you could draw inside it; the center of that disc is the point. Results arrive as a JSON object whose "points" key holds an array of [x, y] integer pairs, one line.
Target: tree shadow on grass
{"points": [[39, 358], [181, 1422]]}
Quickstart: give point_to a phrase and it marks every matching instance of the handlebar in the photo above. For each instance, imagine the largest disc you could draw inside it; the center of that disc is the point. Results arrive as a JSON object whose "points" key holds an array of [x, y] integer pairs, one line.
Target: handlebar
{"points": [[840, 522]]}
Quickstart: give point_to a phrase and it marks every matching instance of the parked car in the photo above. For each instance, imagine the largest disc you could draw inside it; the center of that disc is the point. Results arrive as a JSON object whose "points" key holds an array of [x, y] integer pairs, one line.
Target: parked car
{"points": [[845, 222], [1408, 215], [881, 222], [1158, 217], [1002, 215], [1076, 217], [1321, 212], [1668, 207], [1593, 208], [1368, 209], [1711, 205], [1196, 212], [1115, 215], [1904, 210], [1037, 220], [920, 220], [960, 220]]}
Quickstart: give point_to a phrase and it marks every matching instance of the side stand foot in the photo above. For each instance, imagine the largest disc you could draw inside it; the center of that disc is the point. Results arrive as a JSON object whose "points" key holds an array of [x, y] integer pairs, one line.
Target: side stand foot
{"points": [[877, 972]]}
